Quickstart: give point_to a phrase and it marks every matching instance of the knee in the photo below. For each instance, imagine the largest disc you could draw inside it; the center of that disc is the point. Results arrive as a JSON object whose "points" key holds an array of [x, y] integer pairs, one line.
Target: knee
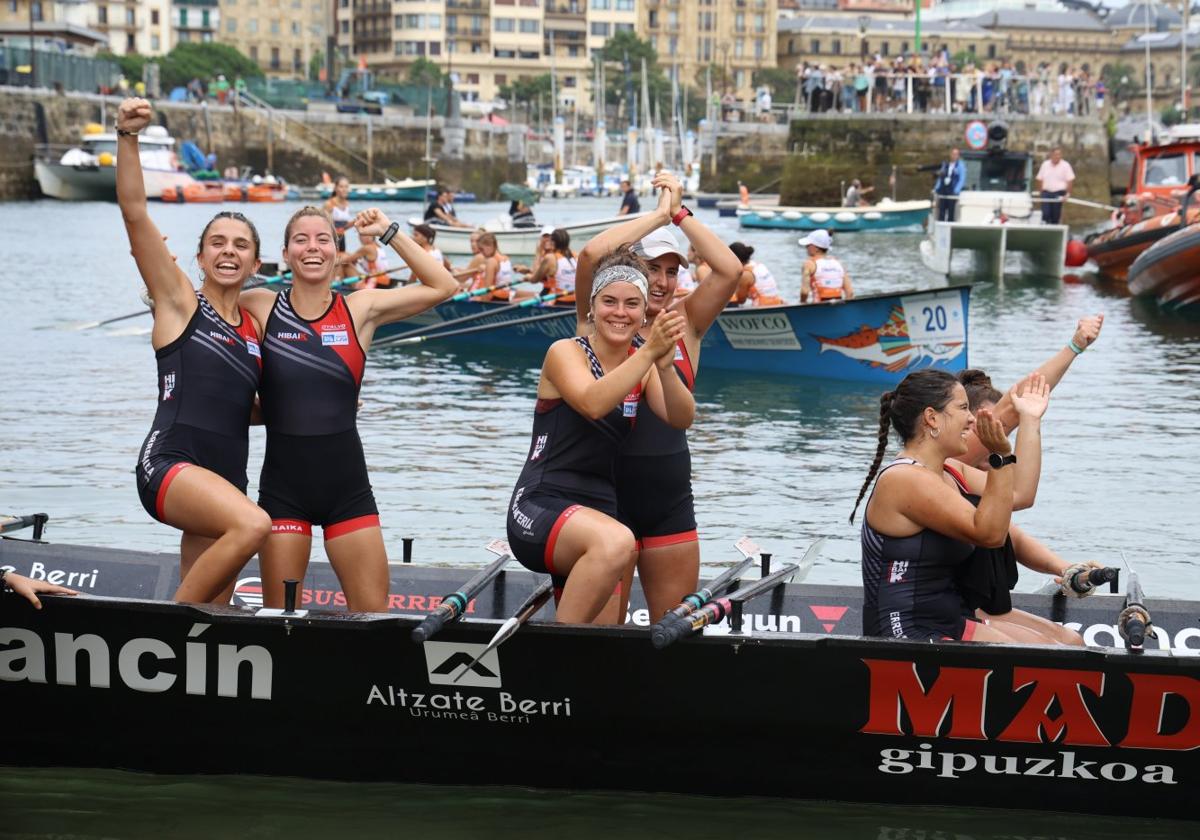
{"points": [[620, 550], [255, 525]]}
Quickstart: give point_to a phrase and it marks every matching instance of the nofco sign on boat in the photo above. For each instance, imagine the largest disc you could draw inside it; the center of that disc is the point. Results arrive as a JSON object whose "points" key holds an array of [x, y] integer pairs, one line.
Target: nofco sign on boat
{"points": [[792, 704]]}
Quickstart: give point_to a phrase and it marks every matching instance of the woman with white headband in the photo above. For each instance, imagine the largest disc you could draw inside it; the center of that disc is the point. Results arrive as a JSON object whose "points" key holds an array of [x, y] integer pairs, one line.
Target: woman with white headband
{"points": [[562, 516]]}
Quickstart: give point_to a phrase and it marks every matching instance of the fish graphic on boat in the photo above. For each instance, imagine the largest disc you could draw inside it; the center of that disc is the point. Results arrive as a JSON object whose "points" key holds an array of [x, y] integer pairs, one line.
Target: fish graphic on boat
{"points": [[890, 345]]}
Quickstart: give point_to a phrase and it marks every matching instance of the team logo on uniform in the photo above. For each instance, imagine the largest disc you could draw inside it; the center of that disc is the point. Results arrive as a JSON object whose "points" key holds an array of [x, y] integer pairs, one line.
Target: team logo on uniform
{"points": [[335, 338], [219, 336], [252, 348], [292, 336], [168, 385], [896, 573], [630, 406], [538, 446]]}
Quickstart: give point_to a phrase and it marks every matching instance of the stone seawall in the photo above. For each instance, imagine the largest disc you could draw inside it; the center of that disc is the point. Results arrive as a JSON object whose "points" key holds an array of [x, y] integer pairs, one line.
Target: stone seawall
{"points": [[296, 145], [810, 158]]}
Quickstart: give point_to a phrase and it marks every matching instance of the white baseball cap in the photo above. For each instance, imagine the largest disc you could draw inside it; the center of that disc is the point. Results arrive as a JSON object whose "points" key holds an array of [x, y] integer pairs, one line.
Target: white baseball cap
{"points": [[657, 243], [820, 238], [547, 230]]}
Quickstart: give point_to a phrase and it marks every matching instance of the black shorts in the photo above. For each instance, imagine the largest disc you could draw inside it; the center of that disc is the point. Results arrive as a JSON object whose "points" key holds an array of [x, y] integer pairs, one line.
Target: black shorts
{"points": [[167, 451], [534, 521], [654, 498], [317, 480]]}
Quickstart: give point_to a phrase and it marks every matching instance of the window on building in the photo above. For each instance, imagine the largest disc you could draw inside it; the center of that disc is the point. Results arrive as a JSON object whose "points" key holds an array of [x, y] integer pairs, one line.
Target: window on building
{"points": [[275, 28], [130, 43], [569, 81], [130, 18], [673, 44], [739, 22], [504, 53], [154, 17], [533, 3], [345, 27], [433, 21], [739, 78], [504, 24], [206, 37], [435, 47], [623, 27], [600, 29], [231, 25], [760, 23], [602, 4], [295, 27], [652, 18], [505, 2], [672, 18], [529, 55], [155, 43], [791, 50], [760, 49], [814, 46], [274, 58], [183, 19], [472, 78], [501, 79], [253, 53], [991, 50], [837, 46], [297, 61], [252, 26], [530, 27], [102, 14], [739, 48], [904, 48], [185, 37], [625, 5]]}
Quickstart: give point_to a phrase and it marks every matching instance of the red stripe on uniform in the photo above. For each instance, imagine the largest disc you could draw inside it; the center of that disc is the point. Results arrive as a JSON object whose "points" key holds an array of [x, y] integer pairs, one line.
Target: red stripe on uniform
{"points": [[553, 538], [670, 539], [291, 526], [349, 526], [166, 482], [969, 630]]}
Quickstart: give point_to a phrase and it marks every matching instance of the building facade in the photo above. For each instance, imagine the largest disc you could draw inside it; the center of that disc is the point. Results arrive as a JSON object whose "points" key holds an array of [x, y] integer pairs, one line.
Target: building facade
{"points": [[282, 36]]}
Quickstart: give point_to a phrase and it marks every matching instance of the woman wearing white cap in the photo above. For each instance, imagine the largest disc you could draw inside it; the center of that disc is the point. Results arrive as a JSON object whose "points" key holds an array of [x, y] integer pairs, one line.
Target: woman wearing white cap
{"points": [[654, 472], [823, 277], [562, 517]]}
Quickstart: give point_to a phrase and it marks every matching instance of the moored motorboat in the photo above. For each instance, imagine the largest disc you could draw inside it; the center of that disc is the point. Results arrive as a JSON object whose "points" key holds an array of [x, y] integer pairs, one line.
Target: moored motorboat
{"points": [[105, 679], [198, 192], [1169, 270], [871, 338], [886, 215], [514, 241], [88, 172]]}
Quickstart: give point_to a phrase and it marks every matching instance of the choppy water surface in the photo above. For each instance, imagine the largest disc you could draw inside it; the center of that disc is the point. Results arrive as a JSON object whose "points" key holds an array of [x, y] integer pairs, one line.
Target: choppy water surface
{"points": [[446, 428]]}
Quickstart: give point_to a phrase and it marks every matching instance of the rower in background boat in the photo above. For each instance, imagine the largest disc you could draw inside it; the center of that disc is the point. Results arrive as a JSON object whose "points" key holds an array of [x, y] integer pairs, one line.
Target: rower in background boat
{"points": [[497, 271], [856, 195], [555, 267], [654, 470], [757, 286], [441, 209], [424, 235], [471, 275], [562, 517], [369, 261], [822, 277], [314, 353], [191, 473], [338, 208]]}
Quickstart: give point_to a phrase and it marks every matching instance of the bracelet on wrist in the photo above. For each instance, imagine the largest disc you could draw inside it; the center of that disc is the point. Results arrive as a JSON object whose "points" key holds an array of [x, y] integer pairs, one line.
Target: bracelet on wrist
{"points": [[1075, 348], [123, 133]]}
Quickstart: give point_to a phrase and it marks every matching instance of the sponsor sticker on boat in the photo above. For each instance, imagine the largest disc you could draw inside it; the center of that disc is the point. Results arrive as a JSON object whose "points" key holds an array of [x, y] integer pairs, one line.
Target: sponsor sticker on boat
{"points": [[935, 318], [759, 331], [446, 662]]}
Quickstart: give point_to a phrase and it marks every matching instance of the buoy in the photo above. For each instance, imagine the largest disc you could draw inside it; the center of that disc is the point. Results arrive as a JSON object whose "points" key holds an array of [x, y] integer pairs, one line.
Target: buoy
{"points": [[765, 214], [872, 215], [820, 218], [792, 215], [846, 218], [1076, 253], [106, 159]]}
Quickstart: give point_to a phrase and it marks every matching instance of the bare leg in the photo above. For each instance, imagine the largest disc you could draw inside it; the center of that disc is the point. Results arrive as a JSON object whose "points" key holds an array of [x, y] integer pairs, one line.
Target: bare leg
{"points": [[203, 504], [1009, 634], [593, 552], [668, 573], [1050, 632], [282, 556], [360, 561], [191, 547]]}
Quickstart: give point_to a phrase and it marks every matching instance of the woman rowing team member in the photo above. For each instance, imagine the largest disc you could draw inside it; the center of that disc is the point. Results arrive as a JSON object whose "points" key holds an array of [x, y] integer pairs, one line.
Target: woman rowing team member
{"points": [[338, 208], [756, 286], [919, 528], [497, 269], [369, 262], [424, 235], [654, 468], [471, 275], [822, 277], [191, 473], [314, 351], [563, 512], [555, 266]]}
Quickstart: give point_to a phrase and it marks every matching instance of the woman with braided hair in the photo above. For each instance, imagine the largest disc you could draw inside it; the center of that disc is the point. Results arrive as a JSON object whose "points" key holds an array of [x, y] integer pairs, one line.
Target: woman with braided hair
{"points": [[919, 529]]}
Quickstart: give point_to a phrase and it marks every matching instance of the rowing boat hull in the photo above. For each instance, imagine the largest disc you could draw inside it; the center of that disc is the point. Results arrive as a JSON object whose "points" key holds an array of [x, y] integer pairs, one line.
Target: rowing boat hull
{"points": [[836, 219], [519, 242], [1115, 249], [1169, 270], [875, 338], [806, 713]]}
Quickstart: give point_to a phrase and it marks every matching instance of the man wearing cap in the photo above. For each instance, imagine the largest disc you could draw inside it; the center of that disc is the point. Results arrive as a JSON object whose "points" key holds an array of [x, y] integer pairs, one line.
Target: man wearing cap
{"points": [[629, 203], [654, 488], [822, 276]]}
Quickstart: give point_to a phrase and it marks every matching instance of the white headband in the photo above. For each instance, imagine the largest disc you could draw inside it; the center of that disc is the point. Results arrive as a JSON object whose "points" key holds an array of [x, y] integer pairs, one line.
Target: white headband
{"points": [[619, 274]]}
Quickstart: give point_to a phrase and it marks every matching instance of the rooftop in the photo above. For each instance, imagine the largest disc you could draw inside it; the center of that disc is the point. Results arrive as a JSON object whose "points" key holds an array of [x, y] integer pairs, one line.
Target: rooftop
{"points": [[1035, 19]]}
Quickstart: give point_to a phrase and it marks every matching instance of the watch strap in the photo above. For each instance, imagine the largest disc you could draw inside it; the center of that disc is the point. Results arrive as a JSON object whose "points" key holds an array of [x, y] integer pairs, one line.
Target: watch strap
{"points": [[392, 230], [996, 460], [683, 213]]}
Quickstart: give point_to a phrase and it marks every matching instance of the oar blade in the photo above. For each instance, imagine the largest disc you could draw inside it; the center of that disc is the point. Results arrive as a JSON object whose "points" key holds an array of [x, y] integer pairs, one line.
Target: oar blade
{"points": [[810, 557]]}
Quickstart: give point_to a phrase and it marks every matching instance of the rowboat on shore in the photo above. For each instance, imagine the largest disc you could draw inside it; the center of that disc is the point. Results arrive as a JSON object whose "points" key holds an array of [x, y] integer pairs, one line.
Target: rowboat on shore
{"points": [[873, 338], [514, 241], [887, 215], [120, 677]]}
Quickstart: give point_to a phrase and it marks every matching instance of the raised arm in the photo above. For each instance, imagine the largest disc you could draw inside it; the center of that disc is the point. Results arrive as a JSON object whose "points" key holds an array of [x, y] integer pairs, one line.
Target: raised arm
{"points": [[374, 307], [174, 299], [606, 241]]}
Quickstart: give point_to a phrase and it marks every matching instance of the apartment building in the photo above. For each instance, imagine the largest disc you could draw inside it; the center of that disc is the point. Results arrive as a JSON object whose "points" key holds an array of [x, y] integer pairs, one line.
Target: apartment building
{"points": [[735, 37], [281, 35]]}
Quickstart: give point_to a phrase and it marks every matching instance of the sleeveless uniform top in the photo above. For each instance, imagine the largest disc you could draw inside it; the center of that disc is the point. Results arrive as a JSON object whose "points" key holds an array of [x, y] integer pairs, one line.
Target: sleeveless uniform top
{"points": [[765, 291], [504, 272], [908, 582], [652, 435], [436, 253], [685, 282], [571, 455], [208, 376], [312, 370], [377, 265], [986, 580], [564, 274], [342, 217], [829, 279]]}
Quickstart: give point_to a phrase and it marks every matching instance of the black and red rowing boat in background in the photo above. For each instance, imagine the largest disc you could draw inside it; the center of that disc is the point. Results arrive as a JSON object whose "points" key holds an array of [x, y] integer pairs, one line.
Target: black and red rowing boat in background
{"points": [[791, 703]]}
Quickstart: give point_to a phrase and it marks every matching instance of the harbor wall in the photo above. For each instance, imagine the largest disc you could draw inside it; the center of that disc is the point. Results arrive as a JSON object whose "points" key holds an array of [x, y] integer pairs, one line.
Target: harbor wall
{"points": [[470, 155], [811, 158]]}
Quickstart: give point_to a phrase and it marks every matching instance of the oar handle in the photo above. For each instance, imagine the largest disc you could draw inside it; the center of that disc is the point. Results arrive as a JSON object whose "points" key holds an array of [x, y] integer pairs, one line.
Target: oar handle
{"points": [[452, 606], [37, 521]]}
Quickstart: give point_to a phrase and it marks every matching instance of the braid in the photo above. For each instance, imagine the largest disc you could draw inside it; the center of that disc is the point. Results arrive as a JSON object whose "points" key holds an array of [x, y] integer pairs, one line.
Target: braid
{"points": [[885, 416]]}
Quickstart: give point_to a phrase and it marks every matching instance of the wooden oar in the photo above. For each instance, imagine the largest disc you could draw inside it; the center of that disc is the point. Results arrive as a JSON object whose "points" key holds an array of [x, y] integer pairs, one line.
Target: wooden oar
{"points": [[474, 316], [485, 290], [455, 604], [409, 338], [37, 521], [526, 611], [715, 610]]}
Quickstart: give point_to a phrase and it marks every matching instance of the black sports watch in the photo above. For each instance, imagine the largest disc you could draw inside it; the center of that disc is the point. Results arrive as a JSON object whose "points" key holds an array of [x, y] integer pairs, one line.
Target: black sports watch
{"points": [[392, 230], [996, 460]]}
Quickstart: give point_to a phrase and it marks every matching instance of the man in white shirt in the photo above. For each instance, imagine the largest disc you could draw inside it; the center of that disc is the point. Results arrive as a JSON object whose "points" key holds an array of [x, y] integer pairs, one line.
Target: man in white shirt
{"points": [[1054, 180]]}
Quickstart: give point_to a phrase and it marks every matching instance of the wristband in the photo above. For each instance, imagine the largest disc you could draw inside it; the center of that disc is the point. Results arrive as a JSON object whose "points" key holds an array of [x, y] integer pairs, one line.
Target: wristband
{"points": [[123, 133], [1075, 348], [392, 230], [678, 218]]}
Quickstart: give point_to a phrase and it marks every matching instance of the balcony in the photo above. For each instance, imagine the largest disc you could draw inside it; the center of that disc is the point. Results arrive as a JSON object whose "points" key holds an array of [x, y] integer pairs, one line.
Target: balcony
{"points": [[557, 8], [468, 5]]}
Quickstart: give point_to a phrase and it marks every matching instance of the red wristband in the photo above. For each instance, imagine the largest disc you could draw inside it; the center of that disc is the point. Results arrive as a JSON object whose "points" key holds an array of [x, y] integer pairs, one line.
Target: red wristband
{"points": [[680, 216]]}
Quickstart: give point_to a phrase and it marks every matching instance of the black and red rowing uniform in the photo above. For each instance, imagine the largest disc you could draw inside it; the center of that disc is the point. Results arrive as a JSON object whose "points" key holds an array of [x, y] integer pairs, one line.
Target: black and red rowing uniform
{"points": [[570, 465], [986, 580], [909, 587], [207, 379], [314, 471], [654, 473]]}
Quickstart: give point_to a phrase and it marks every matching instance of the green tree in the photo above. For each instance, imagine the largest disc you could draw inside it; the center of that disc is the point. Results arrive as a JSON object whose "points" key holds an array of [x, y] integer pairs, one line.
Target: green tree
{"points": [[315, 64], [131, 64], [193, 60], [424, 72], [526, 90], [1122, 81], [780, 80], [626, 45]]}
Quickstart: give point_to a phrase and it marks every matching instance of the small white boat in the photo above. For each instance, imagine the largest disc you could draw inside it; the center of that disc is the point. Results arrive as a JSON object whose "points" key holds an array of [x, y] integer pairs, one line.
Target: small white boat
{"points": [[88, 172], [521, 241]]}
